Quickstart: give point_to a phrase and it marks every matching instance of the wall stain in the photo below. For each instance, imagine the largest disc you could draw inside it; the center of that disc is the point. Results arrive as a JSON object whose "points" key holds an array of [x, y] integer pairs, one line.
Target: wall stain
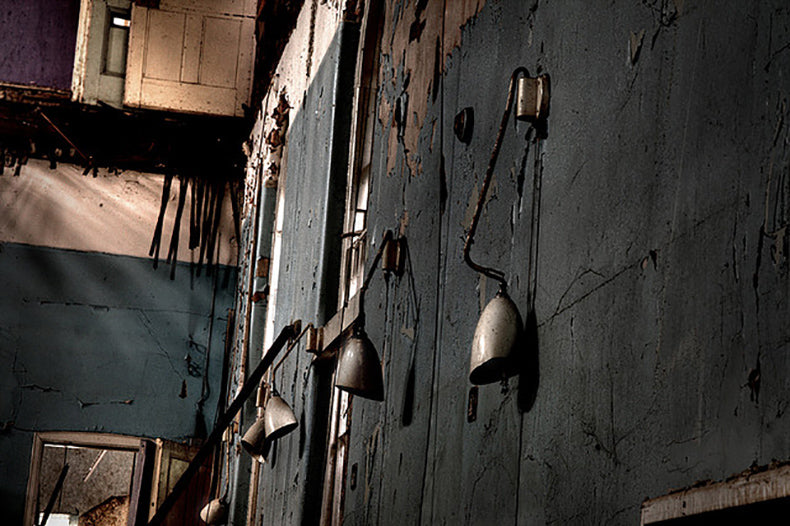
{"points": [[754, 383], [43, 389]]}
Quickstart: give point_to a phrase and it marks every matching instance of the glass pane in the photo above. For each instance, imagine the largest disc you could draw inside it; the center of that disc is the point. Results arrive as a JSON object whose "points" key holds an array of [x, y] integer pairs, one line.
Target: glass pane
{"points": [[363, 187], [59, 519], [117, 44], [96, 485], [359, 221], [119, 21]]}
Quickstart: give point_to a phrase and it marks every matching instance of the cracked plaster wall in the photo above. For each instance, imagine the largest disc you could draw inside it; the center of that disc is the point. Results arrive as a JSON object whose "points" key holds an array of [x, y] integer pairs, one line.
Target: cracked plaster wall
{"points": [[660, 279], [304, 78], [95, 341]]}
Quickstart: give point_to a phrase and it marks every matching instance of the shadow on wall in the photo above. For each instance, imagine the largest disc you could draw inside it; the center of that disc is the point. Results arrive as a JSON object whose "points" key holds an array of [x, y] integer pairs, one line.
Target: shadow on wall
{"points": [[528, 356], [94, 330], [114, 213]]}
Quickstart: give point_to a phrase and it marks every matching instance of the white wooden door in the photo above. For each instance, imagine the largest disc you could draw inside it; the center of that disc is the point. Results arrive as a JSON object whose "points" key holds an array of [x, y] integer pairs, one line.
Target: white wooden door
{"points": [[193, 56]]}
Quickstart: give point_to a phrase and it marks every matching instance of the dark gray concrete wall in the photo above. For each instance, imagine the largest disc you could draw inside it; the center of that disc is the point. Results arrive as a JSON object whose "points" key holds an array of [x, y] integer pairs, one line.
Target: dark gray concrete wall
{"points": [[105, 343], [653, 270], [39, 37], [660, 278]]}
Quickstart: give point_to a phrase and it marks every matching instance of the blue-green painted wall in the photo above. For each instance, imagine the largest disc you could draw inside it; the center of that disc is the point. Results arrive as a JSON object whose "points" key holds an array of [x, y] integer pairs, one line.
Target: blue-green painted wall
{"points": [[104, 343]]}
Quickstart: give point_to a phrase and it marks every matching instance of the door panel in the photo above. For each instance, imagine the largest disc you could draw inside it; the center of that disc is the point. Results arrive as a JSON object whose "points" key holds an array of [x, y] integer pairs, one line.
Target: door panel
{"points": [[172, 459], [165, 37], [188, 59]]}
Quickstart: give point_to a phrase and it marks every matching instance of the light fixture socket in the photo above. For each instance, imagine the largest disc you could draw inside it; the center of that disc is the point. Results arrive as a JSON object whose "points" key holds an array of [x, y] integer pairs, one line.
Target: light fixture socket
{"points": [[532, 98], [464, 125], [260, 396], [314, 340]]}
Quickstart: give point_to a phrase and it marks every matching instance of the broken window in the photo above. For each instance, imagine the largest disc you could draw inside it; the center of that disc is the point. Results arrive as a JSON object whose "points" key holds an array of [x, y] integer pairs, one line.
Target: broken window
{"points": [[99, 478], [79, 477]]}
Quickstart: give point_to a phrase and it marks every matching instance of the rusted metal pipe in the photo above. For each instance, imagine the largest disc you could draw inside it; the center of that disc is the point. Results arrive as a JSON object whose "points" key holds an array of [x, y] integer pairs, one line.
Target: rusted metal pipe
{"points": [[88, 159], [291, 347]]}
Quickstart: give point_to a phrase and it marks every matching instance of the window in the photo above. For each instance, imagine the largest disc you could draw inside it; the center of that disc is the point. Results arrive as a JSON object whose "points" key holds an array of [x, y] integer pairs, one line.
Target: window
{"points": [[116, 42], [101, 51], [354, 248], [85, 477], [80, 475], [756, 496]]}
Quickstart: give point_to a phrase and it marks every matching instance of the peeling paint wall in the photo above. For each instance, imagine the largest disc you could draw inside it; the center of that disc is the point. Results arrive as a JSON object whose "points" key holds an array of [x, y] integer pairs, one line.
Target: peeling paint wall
{"points": [[313, 193], [92, 340], [417, 39], [653, 207], [302, 275]]}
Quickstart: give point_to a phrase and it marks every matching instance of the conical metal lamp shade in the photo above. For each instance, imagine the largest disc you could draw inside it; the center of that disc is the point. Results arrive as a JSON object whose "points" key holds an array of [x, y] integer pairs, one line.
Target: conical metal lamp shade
{"points": [[497, 332], [359, 368], [215, 512], [278, 418], [255, 441]]}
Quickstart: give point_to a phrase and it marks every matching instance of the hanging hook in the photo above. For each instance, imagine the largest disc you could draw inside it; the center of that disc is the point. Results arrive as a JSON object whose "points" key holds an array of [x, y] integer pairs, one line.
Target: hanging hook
{"points": [[488, 271]]}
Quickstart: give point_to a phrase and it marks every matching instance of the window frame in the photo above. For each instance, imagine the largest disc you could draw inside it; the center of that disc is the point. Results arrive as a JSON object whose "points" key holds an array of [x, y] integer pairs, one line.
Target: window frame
{"points": [[354, 246], [753, 486], [67, 438]]}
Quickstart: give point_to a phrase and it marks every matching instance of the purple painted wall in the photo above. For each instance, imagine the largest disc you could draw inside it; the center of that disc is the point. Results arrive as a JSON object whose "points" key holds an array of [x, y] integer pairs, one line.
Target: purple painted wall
{"points": [[37, 43]]}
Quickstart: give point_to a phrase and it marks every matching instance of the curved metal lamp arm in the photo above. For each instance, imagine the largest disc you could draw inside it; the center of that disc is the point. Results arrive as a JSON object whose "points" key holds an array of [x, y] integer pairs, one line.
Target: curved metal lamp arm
{"points": [[488, 271], [290, 348], [360, 324]]}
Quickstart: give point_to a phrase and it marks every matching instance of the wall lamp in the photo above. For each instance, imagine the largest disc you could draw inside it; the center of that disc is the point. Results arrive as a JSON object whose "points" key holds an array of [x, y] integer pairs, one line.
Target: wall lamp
{"points": [[223, 421], [358, 366], [499, 327], [254, 440], [277, 420], [215, 512]]}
